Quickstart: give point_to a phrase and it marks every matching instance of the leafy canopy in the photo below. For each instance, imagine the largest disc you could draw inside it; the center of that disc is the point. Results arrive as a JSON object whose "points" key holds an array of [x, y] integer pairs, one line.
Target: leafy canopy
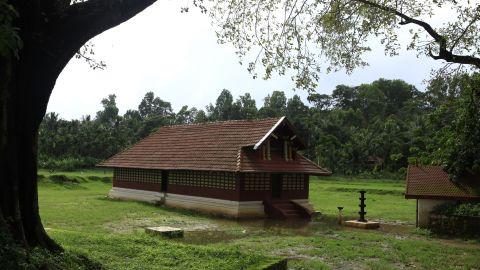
{"points": [[463, 157], [311, 36]]}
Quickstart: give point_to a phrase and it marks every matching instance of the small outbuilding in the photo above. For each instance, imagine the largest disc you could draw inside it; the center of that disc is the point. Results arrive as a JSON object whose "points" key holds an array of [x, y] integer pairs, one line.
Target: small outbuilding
{"points": [[431, 186], [242, 168]]}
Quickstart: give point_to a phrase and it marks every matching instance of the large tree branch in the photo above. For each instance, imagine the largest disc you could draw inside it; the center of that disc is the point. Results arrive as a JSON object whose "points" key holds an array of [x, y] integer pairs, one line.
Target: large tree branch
{"points": [[60, 39], [454, 44], [454, 58], [85, 20], [444, 53]]}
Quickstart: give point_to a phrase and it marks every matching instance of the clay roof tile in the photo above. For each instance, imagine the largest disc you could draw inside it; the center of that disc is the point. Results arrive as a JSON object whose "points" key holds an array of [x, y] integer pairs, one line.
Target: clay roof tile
{"points": [[432, 182], [216, 146]]}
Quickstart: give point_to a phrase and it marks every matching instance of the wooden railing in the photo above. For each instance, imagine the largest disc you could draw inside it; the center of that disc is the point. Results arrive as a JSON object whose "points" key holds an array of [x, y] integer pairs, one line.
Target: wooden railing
{"points": [[455, 225]]}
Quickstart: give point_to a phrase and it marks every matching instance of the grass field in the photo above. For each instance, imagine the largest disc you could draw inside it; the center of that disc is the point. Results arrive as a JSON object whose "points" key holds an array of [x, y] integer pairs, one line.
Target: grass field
{"points": [[385, 199], [79, 216]]}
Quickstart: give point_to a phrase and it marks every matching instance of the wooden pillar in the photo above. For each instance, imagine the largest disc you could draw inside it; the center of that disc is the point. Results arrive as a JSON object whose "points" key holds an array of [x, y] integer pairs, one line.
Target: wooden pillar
{"points": [[269, 156], [416, 215], [307, 184], [290, 154], [164, 181], [240, 183]]}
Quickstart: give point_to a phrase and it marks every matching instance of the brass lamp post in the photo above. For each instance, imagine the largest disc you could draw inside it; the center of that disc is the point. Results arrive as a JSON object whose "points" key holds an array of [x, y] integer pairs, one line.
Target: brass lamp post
{"points": [[340, 215]]}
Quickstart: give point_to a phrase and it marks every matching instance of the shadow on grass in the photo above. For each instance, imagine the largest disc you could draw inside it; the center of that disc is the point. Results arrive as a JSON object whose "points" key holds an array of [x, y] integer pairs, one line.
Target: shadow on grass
{"points": [[14, 256], [368, 190], [358, 179], [67, 182], [168, 209]]}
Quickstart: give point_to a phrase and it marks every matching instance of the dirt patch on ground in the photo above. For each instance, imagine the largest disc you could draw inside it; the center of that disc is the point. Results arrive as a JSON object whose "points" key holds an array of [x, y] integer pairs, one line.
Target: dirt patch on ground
{"points": [[131, 224], [396, 228], [296, 252], [395, 222], [459, 243]]}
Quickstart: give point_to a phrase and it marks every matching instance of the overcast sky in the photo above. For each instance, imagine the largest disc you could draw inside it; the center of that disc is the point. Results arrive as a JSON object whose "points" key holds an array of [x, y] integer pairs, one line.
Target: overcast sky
{"points": [[177, 57]]}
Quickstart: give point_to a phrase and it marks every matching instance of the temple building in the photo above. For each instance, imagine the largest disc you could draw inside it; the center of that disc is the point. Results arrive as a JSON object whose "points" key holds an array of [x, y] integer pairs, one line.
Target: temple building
{"points": [[241, 168]]}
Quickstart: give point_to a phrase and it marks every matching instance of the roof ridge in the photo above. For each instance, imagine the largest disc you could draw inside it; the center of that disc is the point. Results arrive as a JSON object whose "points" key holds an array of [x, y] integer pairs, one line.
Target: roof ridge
{"points": [[219, 122], [272, 129], [239, 159]]}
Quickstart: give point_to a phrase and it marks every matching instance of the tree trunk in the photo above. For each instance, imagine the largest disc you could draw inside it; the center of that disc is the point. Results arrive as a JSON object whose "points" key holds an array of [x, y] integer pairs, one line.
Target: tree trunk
{"points": [[26, 84], [52, 32]]}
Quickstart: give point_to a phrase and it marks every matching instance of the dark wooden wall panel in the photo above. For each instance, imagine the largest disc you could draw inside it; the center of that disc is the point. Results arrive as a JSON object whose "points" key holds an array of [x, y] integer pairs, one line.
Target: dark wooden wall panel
{"points": [[136, 185], [257, 189], [231, 195]]}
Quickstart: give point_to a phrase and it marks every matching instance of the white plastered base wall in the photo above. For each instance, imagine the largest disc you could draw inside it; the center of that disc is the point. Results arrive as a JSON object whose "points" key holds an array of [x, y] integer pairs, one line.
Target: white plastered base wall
{"points": [[236, 209], [208, 205], [136, 195], [216, 206]]}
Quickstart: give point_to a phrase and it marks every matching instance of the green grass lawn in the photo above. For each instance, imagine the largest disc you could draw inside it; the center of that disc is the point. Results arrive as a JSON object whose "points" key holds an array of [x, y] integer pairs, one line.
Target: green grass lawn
{"points": [[384, 202], [79, 216]]}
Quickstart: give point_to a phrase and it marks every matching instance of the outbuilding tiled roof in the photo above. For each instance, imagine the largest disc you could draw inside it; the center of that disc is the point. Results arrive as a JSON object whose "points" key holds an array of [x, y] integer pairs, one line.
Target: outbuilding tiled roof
{"points": [[432, 182], [219, 146]]}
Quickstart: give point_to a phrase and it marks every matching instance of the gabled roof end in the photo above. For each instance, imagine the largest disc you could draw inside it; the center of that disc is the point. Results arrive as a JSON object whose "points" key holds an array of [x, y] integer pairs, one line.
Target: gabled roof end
{"points": [[259, 143]]}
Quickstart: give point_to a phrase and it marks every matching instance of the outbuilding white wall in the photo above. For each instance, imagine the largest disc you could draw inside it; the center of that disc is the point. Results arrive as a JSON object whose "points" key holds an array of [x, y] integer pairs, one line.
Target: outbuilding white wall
{"points": [[425, 207]]}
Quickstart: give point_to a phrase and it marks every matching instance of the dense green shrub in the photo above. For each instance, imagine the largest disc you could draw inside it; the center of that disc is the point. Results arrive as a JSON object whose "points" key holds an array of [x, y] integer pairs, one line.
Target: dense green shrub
{"points": [[60, 178], [468, 209], [461, 209], [462, 157], [67, 164], [447, 209], [105, 179], [384, 174], [14, 256]]}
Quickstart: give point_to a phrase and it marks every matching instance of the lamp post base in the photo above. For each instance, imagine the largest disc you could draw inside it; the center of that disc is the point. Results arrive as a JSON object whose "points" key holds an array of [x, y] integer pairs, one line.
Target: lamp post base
{"points": [[362, 225]]}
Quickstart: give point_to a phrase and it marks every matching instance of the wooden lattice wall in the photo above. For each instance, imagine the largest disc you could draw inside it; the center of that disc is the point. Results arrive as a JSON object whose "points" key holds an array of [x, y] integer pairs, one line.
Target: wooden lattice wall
{"points": [[206, 179], [257, 181], [137, 175], [293, 182], [261, 182]]}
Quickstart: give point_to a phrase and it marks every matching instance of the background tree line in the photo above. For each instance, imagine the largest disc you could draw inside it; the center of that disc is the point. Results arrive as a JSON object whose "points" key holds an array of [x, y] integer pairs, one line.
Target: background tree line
{"points": [[371, 128]]}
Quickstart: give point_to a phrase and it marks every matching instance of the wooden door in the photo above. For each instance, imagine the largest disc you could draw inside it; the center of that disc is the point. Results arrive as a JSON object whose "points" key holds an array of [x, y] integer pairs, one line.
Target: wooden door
{"points": [[276, 185], [164, 186]]}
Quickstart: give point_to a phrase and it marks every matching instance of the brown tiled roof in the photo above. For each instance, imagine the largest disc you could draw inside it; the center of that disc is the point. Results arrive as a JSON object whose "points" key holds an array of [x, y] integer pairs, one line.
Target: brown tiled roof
{"points": [[432, 182], [220, 146]]}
